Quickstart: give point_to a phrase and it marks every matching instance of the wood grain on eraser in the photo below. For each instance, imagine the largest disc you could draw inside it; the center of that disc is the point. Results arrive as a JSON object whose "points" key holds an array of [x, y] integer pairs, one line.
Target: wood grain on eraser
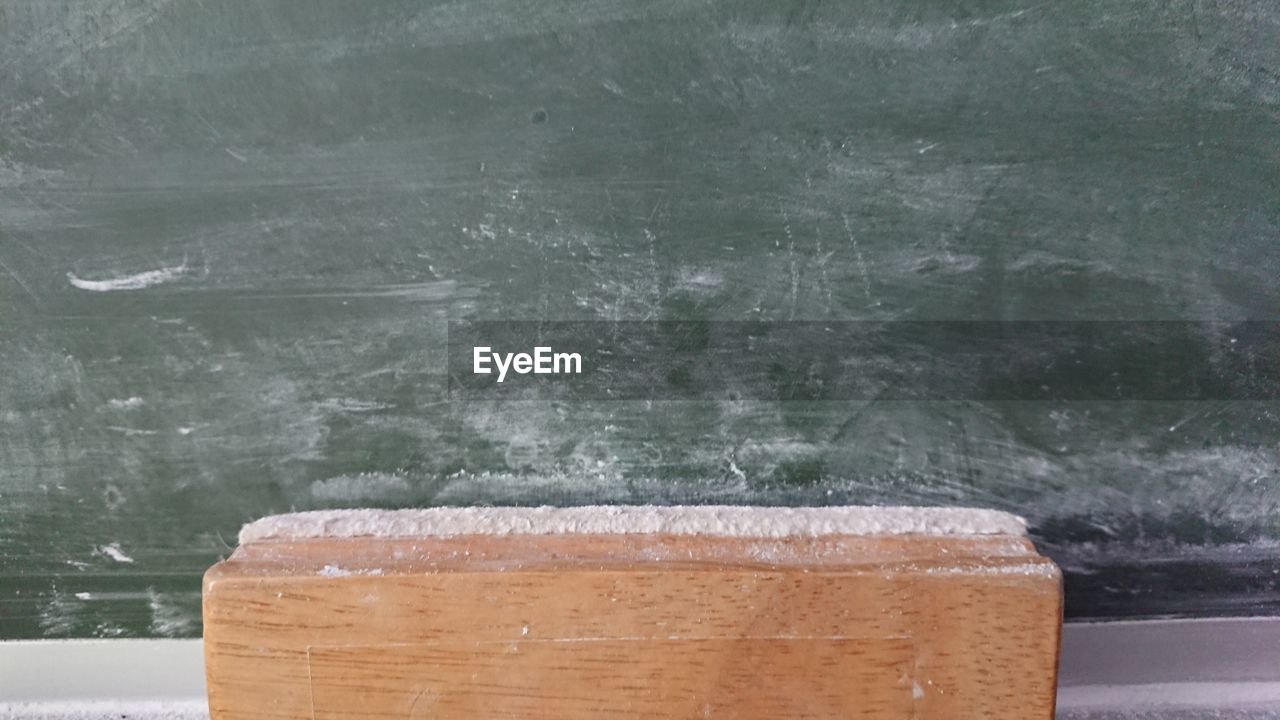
{"points": [[639, 612]]}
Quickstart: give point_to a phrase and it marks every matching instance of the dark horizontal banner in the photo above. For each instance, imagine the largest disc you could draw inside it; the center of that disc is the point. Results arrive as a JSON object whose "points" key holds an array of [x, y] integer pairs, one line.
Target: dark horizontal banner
{"points": [[951, 360]]}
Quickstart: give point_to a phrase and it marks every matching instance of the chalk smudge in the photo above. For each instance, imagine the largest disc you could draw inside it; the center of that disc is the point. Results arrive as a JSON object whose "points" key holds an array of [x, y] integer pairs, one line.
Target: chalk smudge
{"points": [[114, 552], [59, 616], [362, 486], [169, 618], [126, 403], [339, 571], [137, 281]]}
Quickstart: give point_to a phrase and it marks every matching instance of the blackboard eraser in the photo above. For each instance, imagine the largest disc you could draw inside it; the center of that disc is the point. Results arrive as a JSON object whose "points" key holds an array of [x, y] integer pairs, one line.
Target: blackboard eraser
{"points": [[634, 612]]}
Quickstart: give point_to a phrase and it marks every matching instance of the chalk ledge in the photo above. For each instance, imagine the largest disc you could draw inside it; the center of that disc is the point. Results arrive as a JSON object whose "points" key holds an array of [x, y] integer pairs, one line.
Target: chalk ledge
{"points": [[712, 520]]}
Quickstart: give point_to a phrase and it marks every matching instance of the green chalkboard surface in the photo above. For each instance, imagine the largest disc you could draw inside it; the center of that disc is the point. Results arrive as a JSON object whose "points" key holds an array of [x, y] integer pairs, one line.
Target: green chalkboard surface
{"points": [[233, 237]]}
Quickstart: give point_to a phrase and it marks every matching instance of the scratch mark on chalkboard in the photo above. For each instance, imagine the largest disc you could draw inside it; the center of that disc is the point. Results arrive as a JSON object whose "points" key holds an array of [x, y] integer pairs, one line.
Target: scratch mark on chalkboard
{"points": [[791, 260], [137, 281], [857, 251], [438, 290], [352, 406], [21, 283], [999, 17], [130, 431], [459, 23], [824, 277], [85, 28], [1201, 412]]}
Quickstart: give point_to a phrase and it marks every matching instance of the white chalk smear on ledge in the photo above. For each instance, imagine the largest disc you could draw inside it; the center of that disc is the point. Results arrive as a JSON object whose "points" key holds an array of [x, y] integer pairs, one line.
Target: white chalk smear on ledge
{"points": [[137, 281], [194, 709]]}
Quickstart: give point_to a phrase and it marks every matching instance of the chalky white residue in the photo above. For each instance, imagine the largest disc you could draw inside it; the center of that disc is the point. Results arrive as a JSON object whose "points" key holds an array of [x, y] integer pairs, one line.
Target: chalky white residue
{"points": [[126, 403], [114, 552], [360, 487], [339, 571], [137, 281], [103, 709], [168, 617], [714, 520]]}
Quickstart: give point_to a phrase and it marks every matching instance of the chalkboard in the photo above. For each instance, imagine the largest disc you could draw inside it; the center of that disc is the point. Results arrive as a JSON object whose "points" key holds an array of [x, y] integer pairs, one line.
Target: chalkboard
{"points": [[234, 236]]}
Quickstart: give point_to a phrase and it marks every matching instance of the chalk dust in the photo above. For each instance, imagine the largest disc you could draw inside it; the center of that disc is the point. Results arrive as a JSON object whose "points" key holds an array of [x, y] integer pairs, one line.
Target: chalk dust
{"points": [[713, 520]]}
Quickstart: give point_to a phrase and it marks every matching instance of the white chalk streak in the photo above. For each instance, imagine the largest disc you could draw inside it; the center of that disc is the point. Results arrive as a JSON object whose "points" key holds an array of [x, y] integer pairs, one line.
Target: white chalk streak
{"points": [[137, 281], [114, 552]]}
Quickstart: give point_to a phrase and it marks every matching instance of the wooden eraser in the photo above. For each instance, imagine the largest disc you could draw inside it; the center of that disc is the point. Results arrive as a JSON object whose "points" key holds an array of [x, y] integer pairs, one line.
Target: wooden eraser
{"points": [[634, 612]]}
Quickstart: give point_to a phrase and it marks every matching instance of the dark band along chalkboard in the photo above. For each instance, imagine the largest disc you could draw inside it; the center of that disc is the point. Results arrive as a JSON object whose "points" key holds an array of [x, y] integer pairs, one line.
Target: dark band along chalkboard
{"points": [[235, 237]]}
